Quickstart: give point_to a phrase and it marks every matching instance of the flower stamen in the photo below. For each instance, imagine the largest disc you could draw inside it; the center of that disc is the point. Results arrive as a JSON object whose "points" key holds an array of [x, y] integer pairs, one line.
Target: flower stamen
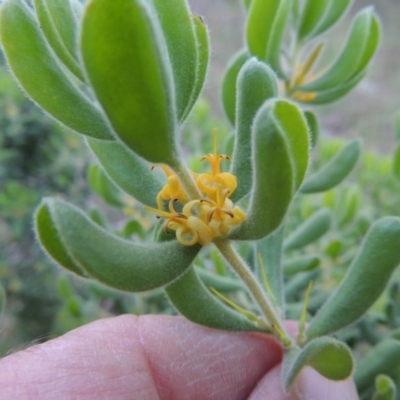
{"points": [[200, 221]]}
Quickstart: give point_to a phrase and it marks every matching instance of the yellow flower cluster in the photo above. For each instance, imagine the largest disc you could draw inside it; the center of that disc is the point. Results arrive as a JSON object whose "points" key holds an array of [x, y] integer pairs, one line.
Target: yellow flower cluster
{"points": [[201, 220]]}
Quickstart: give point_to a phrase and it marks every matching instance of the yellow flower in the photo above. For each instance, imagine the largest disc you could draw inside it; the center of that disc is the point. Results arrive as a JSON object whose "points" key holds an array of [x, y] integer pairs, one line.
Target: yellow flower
{"points": [[172, 190], [201, 220], [223, 215], [189, 228], [210, 184]]}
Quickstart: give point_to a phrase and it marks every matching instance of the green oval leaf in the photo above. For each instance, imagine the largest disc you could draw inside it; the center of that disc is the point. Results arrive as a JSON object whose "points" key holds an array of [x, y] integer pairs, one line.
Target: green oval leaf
{"points": [[364, 35], [221, 283], [129, 171], [116, 262], [133, 227], [256, 83], [203, 56], [194, 301], [104, 187], [334, 248], [364, 281], [292, 121], [275, 41], [41, 76], [336, 93], [319, 16], [313, 126], [229, 84], [180, 37], [312, 14], [260, 22], [334, 12], [124, 56], [299, 264], [309, 231], [50, 240], [280, 160], [335, 170], [330, 357], [296, 285], [349, 206], [381, 359], [273, 178], [270, 250], [59, 25], [385, 388]]}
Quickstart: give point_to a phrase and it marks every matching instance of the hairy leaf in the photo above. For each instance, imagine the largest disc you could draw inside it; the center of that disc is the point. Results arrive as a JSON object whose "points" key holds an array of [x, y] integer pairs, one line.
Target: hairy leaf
{"points": [[229, 84], [364, 281], [310, 230], [193, 300], [59, 25], [126, 62], [335, 170], [40, 75], [256, 83], [129, 171], [330, 357], [74, 241], [181, 42]]}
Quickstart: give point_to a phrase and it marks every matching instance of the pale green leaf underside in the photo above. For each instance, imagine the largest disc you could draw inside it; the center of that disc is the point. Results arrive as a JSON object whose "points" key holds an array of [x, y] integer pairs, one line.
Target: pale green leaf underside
{"points": [[84, 246], [280, 158], [273, 178], [256, 84], [364, 281], [42, 77], [310, 230], [104, 187], [270, 250], [229, 84], [59, 26], [179, 34], [194, 301], [295, 265], [203, 56], [385, 388], [364, 36], [129, 171], [330, 357], [334, 171]]}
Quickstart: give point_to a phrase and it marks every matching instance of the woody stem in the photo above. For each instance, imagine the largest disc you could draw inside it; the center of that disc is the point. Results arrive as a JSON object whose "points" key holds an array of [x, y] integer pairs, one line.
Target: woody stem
{"points": [[265, 304]]}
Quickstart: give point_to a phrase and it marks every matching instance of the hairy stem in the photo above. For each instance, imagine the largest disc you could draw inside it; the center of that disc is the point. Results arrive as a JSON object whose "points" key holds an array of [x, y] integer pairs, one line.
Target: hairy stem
{"points": [[187, 181], [266, 306]]}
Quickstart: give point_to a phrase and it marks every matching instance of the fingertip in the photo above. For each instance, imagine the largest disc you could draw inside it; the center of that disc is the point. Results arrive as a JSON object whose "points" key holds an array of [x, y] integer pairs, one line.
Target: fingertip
{"points": [[313, 386], [190, 360], [310, 385]]}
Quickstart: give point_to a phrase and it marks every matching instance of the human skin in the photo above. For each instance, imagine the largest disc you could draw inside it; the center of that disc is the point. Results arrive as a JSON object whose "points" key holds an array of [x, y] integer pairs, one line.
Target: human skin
{"points": [[158, 357]]}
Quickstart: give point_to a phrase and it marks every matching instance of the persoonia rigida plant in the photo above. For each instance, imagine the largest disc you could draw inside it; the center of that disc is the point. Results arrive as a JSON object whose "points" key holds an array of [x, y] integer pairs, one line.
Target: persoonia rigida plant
{"points": [[126, 75]]}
